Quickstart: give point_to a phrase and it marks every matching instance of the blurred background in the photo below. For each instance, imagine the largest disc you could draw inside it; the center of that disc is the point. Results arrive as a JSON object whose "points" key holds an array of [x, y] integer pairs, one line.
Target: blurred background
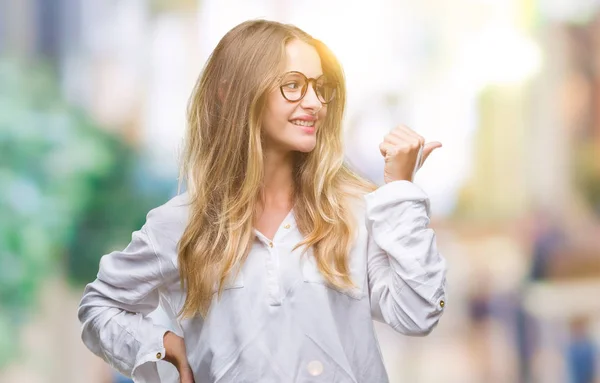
{"points": [[92, 111]]}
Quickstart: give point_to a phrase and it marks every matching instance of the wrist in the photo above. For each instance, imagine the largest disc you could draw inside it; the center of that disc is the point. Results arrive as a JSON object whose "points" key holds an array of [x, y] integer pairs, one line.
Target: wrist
{"points": [[173, 345], [390, 180]]}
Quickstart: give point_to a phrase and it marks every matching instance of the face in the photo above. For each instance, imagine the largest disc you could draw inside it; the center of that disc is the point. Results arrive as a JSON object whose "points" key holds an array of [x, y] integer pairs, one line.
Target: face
{"points": [[292, 126]]}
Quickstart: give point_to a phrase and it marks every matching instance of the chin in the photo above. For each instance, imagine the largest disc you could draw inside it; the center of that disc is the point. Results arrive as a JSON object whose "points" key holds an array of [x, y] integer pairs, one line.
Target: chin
{"points": [[305, 147], [305, 150]]}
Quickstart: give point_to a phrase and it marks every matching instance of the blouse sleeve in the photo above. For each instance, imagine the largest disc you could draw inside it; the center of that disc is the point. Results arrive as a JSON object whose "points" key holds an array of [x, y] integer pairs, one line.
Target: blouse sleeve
{"points": [[406, 273], [114, 308]]}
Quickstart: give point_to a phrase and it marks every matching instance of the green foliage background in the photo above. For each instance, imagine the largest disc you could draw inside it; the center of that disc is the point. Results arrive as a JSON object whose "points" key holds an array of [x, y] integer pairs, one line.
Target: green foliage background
{"points": [[69, 193]]}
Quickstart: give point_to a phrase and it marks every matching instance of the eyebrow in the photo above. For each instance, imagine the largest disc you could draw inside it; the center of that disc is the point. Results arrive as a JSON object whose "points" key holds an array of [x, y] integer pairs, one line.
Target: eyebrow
{"points": [[307, 76]]}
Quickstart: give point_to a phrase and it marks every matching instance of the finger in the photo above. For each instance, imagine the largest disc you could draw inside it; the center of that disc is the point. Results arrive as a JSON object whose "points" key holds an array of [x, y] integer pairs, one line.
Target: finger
{"points": [[384, 147], [404, 128], [399, 133], [415, 135], [428, 149], [394, 138], [399, 137], [411, 133], [410, 136]]}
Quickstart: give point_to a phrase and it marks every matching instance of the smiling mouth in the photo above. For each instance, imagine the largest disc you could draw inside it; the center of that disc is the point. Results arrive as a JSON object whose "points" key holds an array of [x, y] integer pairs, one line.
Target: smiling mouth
{"points": [[304, 123]]}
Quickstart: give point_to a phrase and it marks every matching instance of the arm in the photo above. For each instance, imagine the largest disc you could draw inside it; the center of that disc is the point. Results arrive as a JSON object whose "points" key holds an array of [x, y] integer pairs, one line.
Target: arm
{"points": [[114, 307], [405, 271]]}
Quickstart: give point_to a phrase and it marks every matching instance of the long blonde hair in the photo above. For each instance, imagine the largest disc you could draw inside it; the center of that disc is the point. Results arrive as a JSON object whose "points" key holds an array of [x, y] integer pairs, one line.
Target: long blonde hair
{"points": [[222, 165]]}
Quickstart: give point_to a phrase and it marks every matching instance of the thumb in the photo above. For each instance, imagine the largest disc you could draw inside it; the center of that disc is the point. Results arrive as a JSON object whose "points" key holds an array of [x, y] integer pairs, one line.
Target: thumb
{"points": [[428, 149]]}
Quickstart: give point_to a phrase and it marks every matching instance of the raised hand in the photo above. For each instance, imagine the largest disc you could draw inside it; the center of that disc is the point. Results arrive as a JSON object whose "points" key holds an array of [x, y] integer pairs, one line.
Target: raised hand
{"points": [[400, 148]]}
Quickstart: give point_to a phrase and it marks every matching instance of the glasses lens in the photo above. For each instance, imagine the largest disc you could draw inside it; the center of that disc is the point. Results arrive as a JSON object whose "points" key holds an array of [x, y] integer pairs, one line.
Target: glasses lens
{"points": [[325, 90], [292, 85]]}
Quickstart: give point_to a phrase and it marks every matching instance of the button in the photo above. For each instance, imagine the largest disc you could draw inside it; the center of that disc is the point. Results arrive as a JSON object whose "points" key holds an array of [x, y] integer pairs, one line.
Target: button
{"points": [[158, 355], [442, 303], [287, 226], [315, 368], [270, 244]]}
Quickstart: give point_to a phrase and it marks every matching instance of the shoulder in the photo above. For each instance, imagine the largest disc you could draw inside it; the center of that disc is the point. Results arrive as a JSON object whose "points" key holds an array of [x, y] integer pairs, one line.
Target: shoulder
{"points": [[165, 225], [173, 212]]}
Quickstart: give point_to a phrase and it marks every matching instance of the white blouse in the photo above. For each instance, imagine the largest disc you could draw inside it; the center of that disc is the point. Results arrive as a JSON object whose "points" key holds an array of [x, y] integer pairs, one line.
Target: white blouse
{"points": [[278, 321]]}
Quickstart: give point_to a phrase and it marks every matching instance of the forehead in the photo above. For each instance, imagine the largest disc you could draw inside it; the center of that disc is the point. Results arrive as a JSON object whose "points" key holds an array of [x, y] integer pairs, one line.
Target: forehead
{"points": [[302, 57]]}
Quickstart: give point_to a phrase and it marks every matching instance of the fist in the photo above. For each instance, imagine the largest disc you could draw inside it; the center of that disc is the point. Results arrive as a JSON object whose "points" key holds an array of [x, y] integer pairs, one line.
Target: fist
{"points": [[405, 152]]}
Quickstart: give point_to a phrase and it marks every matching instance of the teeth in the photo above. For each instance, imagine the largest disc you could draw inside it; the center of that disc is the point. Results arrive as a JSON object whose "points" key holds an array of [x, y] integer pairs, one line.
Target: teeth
{"points": [[303, 123]]}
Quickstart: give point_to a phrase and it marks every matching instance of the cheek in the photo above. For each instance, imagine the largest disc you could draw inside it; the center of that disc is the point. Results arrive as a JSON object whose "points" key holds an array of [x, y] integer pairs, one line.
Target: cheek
{"points": [[322, 113], [279, 112], [276, 119]]}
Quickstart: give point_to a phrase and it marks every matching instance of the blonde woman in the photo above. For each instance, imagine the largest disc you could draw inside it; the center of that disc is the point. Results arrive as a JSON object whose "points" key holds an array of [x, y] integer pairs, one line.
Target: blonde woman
{"points": [[275, 261]]}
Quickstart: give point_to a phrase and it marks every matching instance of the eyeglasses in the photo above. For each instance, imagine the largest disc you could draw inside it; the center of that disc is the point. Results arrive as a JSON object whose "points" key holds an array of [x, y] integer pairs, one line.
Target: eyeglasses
{"points": [[295, 84]]}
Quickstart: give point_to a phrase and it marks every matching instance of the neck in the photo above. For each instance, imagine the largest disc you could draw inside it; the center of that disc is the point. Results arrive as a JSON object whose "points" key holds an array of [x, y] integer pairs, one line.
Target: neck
{"points": [[278, 183]]}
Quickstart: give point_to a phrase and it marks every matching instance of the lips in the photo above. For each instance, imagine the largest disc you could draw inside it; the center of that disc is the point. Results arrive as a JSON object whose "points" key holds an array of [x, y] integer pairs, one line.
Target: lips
{"points": [[307, 129]]}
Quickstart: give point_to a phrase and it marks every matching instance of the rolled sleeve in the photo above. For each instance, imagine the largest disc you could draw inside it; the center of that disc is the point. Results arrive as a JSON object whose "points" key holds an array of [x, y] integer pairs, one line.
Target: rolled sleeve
{"points": [[114, 309], [407, 274]]}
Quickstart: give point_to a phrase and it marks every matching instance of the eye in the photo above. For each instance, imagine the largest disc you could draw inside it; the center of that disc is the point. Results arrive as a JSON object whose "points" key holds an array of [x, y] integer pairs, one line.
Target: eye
{"points": [[292, 85]]}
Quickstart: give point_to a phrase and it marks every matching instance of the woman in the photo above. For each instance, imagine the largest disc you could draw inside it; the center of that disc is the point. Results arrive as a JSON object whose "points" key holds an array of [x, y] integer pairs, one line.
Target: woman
{"points": [[275, 261]]}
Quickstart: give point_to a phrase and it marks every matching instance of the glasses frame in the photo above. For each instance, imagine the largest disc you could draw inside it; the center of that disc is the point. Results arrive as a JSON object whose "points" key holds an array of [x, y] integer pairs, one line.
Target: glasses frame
{"points": [[307, 82]]}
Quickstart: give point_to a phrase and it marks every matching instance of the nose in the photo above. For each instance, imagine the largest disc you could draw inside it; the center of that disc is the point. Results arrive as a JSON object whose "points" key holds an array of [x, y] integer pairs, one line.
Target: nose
{"points": [[311, 101]]}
